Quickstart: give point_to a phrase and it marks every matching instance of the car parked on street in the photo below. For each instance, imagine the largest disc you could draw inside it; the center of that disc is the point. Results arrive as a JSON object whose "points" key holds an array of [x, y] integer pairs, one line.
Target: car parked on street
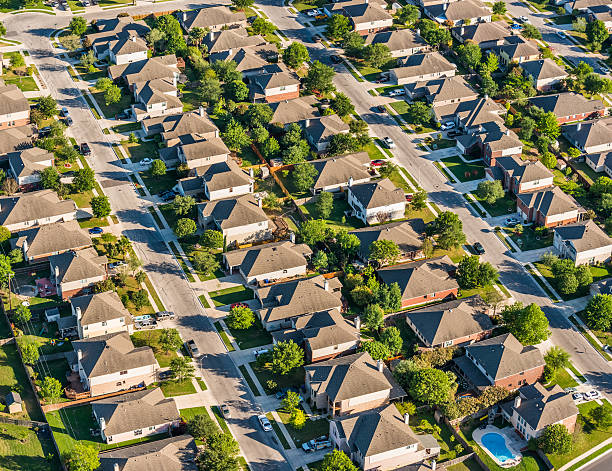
{"points": [[479, 248], [193, 348], [396, 92], [265, 423], [85, 149], [225, 411], [389, 142], [335, 58]]}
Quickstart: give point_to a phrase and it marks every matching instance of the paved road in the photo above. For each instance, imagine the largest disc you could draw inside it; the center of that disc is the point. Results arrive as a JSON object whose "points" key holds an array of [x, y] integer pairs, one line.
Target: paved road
{"points": [[218, 370]]}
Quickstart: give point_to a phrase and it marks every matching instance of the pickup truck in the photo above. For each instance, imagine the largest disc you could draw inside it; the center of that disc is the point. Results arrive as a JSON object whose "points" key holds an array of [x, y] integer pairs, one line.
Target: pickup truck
{"points": [[315, 445]]}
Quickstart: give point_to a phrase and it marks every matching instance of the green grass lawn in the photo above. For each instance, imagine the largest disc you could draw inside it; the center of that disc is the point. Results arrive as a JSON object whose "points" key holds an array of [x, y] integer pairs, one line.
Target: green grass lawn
{"points": [[137, 151], [191, 412], [177, 388], [25, 83], [399, 181], [311, 429], [169, 214], [45, 336], [337, 220], [127, 127], [529, 240], [156, 184], [190, 250], [483, 291], [425, 214], [374, 152], [131, 286], [505, 205], [586, 171], [254, 336], [468, 465], [231, 295], [597, 272], [22, 449], [563, 379], [88, 223], [401, 108], [150, 338], [224, 337], [90, 76], [294, 379], [111, 110], [82, 200], [603, 336], [248, 157], [464, 171]]}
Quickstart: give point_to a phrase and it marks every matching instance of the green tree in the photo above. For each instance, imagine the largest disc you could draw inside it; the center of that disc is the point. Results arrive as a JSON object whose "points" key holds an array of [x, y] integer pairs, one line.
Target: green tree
{"points": [[431, 386], [303, 176], [84, 180], [353, 44], [291, 401], [78, 25], [181, 368], [531, 32], [373, 316], [50, 178], [468, 271], [2, 29], [419, 113], [240, 318], [82, 457], [100, 206], [376, 55], [311, 231], [221, 450], [242, 4], [499, 8], [259, 114], [88, 60], [183, 205], [295, 55], [320, 77], [139, 298], [286, 356], [237, 90], [210, 90], [419, 199], [169, 340], [29, 353], [598, 312], [490, 191], [185, 227], [376, 349], [201, 426], [5, 270], [270, 148], [548, 160], [47, 106], [22, 314], [196, 35], [392, 338], [527, 125], [298, 419], [158, 168], [324, 205], [212, 239], [205, 262], [470, 54], [103, 84], [50, 388], [596, 33], [548, 125], [348, 243], [491, 64], [173, 32], [234, 136], [337, 461], [384, 252], [528, 324], [263, 27], [342, 105], [259, 134], [112, 95], [449, 229], [320, 260], [556, 358], [5, 234], [555, 439], [338, 26], [16, 256], [601, 417], [433, 34], [409, 14]]}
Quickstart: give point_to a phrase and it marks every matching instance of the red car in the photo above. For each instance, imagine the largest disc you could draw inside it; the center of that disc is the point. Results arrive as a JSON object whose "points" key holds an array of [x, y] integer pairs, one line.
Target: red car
{"points": [[377, 163], [409, 197], [232, 306]]}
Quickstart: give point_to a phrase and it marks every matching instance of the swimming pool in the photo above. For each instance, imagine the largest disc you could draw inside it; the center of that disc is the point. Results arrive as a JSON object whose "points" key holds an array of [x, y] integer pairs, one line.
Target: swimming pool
{"points": [[496, 444]]}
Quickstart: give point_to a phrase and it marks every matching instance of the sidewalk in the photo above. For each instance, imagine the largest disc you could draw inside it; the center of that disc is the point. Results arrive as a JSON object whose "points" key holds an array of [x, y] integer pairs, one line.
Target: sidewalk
{"points": [[586, 454]]}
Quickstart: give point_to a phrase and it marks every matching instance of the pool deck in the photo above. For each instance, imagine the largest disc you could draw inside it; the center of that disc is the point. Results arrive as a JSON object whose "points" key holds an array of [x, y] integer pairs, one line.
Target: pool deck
{"points": [[513, 442]]}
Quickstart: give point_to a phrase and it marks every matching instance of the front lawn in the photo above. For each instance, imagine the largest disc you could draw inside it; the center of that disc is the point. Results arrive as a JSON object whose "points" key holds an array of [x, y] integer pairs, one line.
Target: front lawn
{"points": [[158, 183], [24, 83], [169, 215], [337, 220], [137, 151], [563, 379], [82, 200], [90, 76], [295, 379], [505, 205], [23, 449], [13, 378], [254, 336], [150, 338], [130, 287], [597, 272], [401, 108], [233, 295], [110, 111], [88, 223], [191, 249], [529, 240], [463, 171], [604, 336], [312, 428], [425, 214], [177, 388]]}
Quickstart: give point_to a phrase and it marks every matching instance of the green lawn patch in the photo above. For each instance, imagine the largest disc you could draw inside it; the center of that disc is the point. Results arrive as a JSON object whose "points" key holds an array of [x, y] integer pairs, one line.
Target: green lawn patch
{"points": [[254, 336], [137, 151], [182, 263], [202, 384], [236, 294], [249, 380], [399, 181], [445, 172], [505, 205], [312, 428], [586, 171], [204, 302], [190, 250], [23, 449], [25, 84], [467, 465], [92, 76], [597, 272], [464, 171], [425, 214], [154, 295], [168, 214], [224, 337], [88, 223], [248, 157], [127, 127], [483, 291], [337, 220], [191, 412], [539, 281], [281, 437], [217, 413], [131, 286], [150, 338], [590, 339], [93, 109], [529, 240], [111, 110], [156, 183], [401, 108], [374, 152], [295, 379], [156, 217], [177, 388], [82, 200], [563, 379], [589, 458]]}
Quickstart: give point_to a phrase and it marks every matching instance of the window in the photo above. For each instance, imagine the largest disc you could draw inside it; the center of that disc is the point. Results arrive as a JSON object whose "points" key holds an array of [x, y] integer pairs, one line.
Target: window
{"points": [[152, 428], [103, 323], [123, 372], [284, 271], [138, 432], [109, 439], [86, 327], [118, 384]]}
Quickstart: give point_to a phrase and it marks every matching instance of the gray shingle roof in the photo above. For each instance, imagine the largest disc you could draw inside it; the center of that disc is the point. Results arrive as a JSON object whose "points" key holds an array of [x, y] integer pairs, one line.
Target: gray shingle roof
{"points": [[50, 238], [268, 258], [483, 32], [206, 148], [101, 307], [524, 171], [34, 205], [589, 133], [233, 212], [210, 17], [408, 235], [223, 175], [128, 45], [472, 113], [323, 128], [542, 407], [583, 236], [78, 265], [338, 170], [12, 100], [543, 69], [29, 161], [377, 194], [142, 71], [549, 202], [423, 64], [295, 110], [176, 125], [443, 89], [17, 138], [232, 39], [365, 12], [397, 40]]}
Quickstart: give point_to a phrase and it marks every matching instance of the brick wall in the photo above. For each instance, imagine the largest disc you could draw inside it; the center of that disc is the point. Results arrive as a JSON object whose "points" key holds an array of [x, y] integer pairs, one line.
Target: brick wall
{"points": [[530, 377], [13, 124], [428, 297], [282, 96]]}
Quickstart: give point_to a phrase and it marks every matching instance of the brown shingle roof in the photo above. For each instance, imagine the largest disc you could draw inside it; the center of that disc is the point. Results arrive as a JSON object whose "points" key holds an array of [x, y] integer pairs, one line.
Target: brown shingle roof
{"points": [[377, 194], [99, 307], [51, 238], [33, 206], [268, 258]]}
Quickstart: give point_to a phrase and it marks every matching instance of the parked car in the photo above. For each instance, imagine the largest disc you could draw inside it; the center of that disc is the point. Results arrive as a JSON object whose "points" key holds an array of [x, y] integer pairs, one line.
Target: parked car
{"points": [[44, 132], [577, 396], [312, 12], [454, 133], [146, 161], [382, 79], [167, 195], [408, 197], [146, 324], [524, 19], [516, 26], [192, 348], [232, 306], [389, 142], [317, 444], [377, 163], [165, 315], [68, 121], [479, 248], [381, 109], [225, 411], [591, 395], [447, 126], [64, 111], [511, 222], [396, 92], [335, 58], [165, 375], [96, 230], [265, 423], [85, 149], [117, 264]]}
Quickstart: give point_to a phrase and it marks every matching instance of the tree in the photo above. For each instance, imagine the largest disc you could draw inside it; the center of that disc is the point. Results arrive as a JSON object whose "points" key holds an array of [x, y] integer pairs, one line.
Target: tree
{"points": [[196, 35], [112, 95], [50, 388], [201, 426], [348, 243], [312, 231], [531, 32], [468, 271], [491, 64], [548, 125], [419, 113], [376, 349], [449, 229], [373, 316], [100, 206], [22, 314], [169, 340], [320, 77], [221, 450], [499, 8], [528, 324], [78, 25], [342, 105], [5, 234], [181, 368], [182, 205], [259, 114], [384, 252], [527, 125], [286, 356], [84, 180], [556, 358], [304, 176], [549, 160], [433, 34], [140, 277], [419, 199], [470, 54], [598, 312], [212, 239], [325, 204], [139, 298], [376, 55], [338, 26], [601, 416], [242, 4], [16, 256], [263, 27], [83, 457], [88, 60], [205, 262], [237, 90], [226, 70], [337, 461], [409, 14], [209, 90], [431, 386], [174, 39], [392, 338], [353, 44], [490, 191], [295, 55], [555, 439], [291, 401], [47, 106], [29, 353], [596, 33], [104, 83], [234, 136], [50, 178], [5, 270], [240, 318], [158, 168], [185, 227]]}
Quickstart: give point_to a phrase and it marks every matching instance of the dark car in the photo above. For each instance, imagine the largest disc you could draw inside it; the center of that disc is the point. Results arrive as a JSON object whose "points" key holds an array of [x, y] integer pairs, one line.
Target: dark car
{"points": [[479, 248], [85, 149], [381, 109], [165, 375], [193, 349], [44, 132], [336, 59], [96, 230]]}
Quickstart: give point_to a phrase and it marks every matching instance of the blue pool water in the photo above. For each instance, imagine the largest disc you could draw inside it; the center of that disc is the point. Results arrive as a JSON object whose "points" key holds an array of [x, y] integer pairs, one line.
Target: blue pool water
{"points": [[496, 444]]}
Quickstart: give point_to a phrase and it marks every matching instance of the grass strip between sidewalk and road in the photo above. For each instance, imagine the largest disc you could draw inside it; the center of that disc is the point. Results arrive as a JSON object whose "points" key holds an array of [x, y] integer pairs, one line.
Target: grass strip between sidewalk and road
{"points": [[182, 263], [590, 339], [156, 217], [281, 438], [154, 295], [539, 281], [249, 380], [590, 458], [224, 336], [204, 302]]}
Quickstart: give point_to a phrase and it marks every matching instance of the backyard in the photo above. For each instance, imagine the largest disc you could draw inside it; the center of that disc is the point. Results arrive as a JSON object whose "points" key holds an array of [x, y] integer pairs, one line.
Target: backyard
{"points": [[464, 171], [150, 338], [13, 378], [23, 449], [236, 294], [597, 272], [295, 379], [337, 220], [312, 428], [254, 336]]}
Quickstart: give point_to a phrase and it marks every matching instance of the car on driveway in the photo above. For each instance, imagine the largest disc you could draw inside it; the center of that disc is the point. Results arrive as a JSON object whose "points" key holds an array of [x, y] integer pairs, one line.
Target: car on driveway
{"points": [[335, 58], [561, 34], [381, 109], [511, 222], [85, 149], [577, 396], [591, 395], [225, 411], [146, 161], [265, 423], [396, 92], [377, 163], [524, 19], [479, 248], [193, 348], [447, 126], [516, 26], [117, 264], [389, 142], [96, 230]]}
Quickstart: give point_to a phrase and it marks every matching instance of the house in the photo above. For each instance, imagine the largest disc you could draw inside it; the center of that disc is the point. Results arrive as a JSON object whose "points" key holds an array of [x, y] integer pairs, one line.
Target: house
{"points": [[520, 176], [583, 242], [224, 179], [337, 173], [202, 153], [27, 164], [250, 60], [112, 29], [601, 13], [323, 335], [408, 235], [268, 262], [590, 136], [600, 162], [516, 49], [213, 18], [14, 107], [75, 273], [41, 242], [135, 74], [471, 115], [501, 361], [170, 454], [381, 439], [422, 281], [493, 139], [172, 127], [138, 414], [421, 67], [583, 5], [100, 314], [379, 201], [33, 209], [549, 208], [282, 302], [486, 35], [350, 384], [275, 83], [545, 74], [459, 12], [536, 407], [569, 106], [156, 97], [319, 131], [17, 138], [601, 287], [231, 39], [442, 91], [366, 17], [110, 363], [14, 403], [296, 110], [240, 219], [456, 322], [401, 42], [127, 49]]}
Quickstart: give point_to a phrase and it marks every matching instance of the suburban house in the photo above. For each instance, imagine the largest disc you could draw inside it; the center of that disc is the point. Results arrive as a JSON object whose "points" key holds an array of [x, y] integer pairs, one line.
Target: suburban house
{"points": [[224, 179], [41, 242], [381, 439], [76, 272], [401, 42], [169, 454], [322, 335], [274, 83], [536, 407], [545, 74], [250, 60], [14, 107], [34, 209], [240, 219], [201, 153], [501, 361], [366, 17], [156, 97], [282, 302], [27, 164], [422, 281], [172, 127], [408, 235], [112, 29], [379, 201], [350, 384], [110, 363], [17, 138], [213, 18], [456, 322], [583, 242], [421, 67], [319, 131], [516, 50], [583, 5], [551, 207], [520, 176], [296, 110], [268, 262], [471, 115], [126, 49], [459, 12], [493, 139], [601, 13], [600, 162], [135, 415], [228, 40], [100, 314], [569, 106], [135, 74], [338, 172], [590, 136], [486, 35], [442, 91]]}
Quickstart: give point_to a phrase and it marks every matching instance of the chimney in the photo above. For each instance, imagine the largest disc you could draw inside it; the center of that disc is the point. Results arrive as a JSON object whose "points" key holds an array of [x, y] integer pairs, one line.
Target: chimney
{"points": [[56, 272], [116, 465], [78, 312], [517, 401], [406, 418], [79, 354], [462, 30], [445, 6], [578, 126], [350, 181], [259, 202], [357, 323], [326, 285], [211, 35], [306, 123], [102, 423], [201, 111], [379, 365], [507, 132], [433, 465], [251, 173], [486, 97], [25, 247], [418, 31], [292, 237], [133, 39]]}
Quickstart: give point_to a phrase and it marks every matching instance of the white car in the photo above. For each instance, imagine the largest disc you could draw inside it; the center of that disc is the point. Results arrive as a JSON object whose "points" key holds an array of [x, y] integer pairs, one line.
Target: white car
{"points": [[447, 126], [577, 396], [146, 161], [524, 19], [265, 423], [389, 142], [396, 92], [311, 12], [591, 395]]}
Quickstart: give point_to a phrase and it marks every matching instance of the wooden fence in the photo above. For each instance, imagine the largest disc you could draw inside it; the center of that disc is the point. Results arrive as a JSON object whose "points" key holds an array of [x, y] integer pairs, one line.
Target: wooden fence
{"points": [[25, 423], [86, 400]]}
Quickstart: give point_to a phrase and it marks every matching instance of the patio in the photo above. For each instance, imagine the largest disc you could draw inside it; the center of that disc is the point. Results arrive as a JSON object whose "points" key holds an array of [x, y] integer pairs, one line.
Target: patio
{"points": [[45, 287]]}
